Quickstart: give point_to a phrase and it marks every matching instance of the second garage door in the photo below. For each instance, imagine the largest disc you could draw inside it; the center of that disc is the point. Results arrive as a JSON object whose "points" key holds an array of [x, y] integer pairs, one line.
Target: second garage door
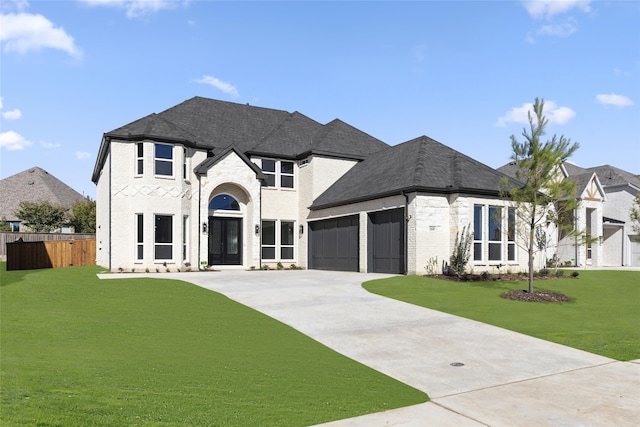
{"points": [[333, 244], [386, 242]]}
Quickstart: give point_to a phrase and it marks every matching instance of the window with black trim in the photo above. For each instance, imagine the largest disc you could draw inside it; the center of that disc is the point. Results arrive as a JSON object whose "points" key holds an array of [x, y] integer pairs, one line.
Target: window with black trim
{"points": [[163, 248], [269, 171], [139, 158], [268, 240], [139, 236], [495, 233], [163, 159], [278, 173], [511, 234], [286, 240], [278, 240], [477, 232]]}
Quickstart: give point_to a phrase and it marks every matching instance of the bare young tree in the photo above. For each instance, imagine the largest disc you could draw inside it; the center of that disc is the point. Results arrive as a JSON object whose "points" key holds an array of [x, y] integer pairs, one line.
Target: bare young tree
{"points": [[538, 169]]}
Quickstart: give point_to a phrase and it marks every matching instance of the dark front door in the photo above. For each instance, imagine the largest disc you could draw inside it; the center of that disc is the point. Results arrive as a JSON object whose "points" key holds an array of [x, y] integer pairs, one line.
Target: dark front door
{"points": [[225, 241]]}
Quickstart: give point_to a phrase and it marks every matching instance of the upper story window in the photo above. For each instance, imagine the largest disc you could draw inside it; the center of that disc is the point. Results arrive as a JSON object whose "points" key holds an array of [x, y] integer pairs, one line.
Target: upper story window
{"points": [[278, 173], [163, 159], [139, 158]]}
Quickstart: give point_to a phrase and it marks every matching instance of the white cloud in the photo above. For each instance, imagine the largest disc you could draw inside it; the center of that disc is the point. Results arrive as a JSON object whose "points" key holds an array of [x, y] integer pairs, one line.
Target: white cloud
{"points": [[1, 100], [613, 99], [138, 8], [82, 155], [618, 72], [553, 113], [558, 30], [13, 141], [14, 5], [50, 144], [12, 115], [220, 85], [23, 32], [539, 9]]}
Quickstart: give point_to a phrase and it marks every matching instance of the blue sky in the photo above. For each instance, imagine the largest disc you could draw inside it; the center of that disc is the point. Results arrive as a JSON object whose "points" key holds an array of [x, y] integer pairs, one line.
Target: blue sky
{"points": [[460, 72]]}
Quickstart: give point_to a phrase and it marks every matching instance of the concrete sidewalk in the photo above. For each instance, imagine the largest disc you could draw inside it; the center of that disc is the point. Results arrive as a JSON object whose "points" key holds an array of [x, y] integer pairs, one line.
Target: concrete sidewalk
{"points": [[507, 379]]}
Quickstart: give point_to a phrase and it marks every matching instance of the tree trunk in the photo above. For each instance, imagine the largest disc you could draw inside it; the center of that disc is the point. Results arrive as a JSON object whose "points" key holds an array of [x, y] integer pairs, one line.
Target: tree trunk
{"points": [[531, 250]]}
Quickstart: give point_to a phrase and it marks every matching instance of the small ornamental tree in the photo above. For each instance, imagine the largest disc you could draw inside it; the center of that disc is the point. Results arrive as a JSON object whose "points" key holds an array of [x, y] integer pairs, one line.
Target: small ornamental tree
{"points": [[42, 216], [538, 169], [83, 216], [461, 251]]}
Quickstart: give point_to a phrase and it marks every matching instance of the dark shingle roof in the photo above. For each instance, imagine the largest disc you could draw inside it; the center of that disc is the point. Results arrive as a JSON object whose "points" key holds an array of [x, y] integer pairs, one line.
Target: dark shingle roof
{"points": [[610, 176], [421, 164], [216, 125], [582, 177], [154, 127], [33, 185], [340, 138]]}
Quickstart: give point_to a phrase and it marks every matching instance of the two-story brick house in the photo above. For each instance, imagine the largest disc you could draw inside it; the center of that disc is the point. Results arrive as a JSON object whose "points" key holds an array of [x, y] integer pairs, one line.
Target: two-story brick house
{"points": [[213, 183]]}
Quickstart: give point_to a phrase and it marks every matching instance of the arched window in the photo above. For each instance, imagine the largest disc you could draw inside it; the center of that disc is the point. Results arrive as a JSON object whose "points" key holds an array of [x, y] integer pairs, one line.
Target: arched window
{"points": [[224, 202]]}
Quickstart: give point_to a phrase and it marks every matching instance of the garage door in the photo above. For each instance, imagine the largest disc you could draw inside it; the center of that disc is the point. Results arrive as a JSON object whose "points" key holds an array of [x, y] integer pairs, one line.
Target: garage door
{"points": [[333, 244], [386, 241]]}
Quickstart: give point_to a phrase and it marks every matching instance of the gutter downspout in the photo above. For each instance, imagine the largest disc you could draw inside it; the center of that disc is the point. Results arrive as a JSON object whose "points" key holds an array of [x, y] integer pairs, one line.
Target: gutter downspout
{"points": [[110, 203], [260, 233], [199, 217], [407, 218]]}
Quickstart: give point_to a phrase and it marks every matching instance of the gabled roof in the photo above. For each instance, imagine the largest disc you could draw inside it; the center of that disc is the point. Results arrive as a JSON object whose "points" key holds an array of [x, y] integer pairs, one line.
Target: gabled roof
{"points": [[421, 164], [204, 166], [33, 185], [611, 176], [582, 177]]}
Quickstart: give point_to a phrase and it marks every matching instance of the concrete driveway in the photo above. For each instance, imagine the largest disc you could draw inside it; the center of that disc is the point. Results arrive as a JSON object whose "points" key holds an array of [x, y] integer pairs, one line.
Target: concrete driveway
{"points": [[506, 378]]}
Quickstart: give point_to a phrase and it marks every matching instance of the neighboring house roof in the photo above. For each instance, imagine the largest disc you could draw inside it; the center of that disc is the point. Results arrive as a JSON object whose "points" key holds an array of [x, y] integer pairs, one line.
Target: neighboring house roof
{"points": [[216, 125], [33, 185], [582, 177], [610, 176], [421, 164]]}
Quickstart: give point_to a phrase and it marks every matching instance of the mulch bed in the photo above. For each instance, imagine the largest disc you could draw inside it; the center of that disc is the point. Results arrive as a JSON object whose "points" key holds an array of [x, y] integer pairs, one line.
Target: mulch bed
{"points": [[516, 295], [536, 296]]}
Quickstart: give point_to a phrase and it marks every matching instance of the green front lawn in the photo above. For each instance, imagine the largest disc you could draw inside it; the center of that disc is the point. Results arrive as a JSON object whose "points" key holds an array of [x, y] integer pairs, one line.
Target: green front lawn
{"points": [[603, 316], [78, 351]]}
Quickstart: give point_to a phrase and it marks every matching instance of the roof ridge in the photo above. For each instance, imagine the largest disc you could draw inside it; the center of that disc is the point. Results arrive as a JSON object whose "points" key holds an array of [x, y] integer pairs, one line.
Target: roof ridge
{"points": [[421, 162]]}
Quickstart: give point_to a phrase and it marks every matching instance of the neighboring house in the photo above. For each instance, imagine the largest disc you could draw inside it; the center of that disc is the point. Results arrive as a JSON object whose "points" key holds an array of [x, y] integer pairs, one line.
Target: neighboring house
{"points": [[213, 183], [620, 245], [607, 239], [33, 185]]}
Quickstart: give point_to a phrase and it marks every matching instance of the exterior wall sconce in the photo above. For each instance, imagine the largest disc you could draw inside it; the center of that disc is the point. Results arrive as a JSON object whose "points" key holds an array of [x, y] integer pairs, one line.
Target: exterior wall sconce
{"points": [[257, 229], [204, 228], [301, 229]]}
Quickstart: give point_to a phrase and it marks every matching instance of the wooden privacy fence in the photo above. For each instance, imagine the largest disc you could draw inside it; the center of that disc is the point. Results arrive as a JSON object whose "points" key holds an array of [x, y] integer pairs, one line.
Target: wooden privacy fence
{"points": [[50, 254]]}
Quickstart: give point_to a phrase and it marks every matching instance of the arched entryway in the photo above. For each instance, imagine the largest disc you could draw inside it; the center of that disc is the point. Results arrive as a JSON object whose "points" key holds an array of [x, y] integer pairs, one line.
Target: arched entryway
{"points": [[226, 218]]}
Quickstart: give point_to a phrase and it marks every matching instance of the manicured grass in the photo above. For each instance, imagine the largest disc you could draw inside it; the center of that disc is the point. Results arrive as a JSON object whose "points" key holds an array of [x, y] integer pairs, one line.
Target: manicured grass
{"points": [[79, 351], [603, 316]]}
